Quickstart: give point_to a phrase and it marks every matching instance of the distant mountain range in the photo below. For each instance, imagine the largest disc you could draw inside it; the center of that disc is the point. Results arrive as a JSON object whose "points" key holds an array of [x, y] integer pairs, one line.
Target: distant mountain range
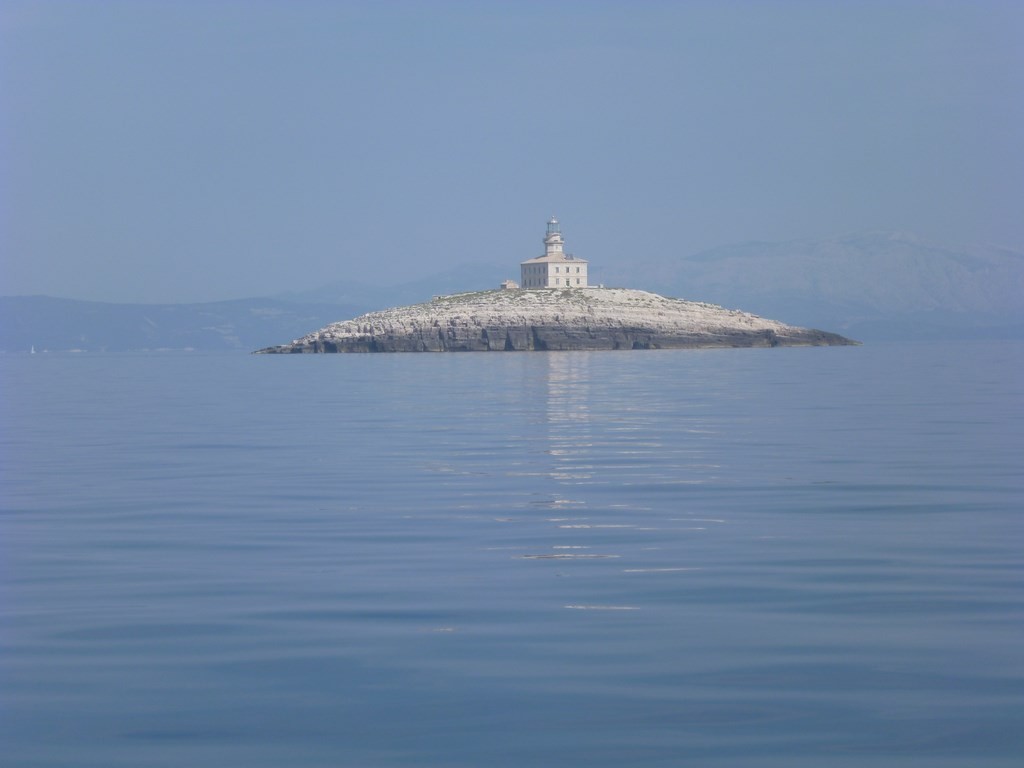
{"points": [[870, 286], [48, 324]]}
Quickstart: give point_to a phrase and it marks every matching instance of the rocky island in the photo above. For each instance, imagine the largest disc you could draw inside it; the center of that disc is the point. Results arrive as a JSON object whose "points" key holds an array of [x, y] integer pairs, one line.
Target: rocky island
{"points": [[556, 309], [585, 318]]}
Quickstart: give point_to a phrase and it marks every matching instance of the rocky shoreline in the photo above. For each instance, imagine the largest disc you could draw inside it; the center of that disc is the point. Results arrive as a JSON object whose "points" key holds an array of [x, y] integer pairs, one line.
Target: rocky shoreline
{"points": [[554, 319]]}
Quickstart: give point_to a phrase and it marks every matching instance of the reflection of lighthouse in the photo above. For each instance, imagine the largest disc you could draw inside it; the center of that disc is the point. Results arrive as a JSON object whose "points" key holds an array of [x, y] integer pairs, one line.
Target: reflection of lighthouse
{"points": [[555, 269], [568, 417]]}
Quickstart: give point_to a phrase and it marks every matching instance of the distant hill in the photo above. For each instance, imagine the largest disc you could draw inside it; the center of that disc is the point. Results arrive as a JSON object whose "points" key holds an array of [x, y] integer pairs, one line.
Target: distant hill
{"points": [[867, 286], [47, 323], [875, 285], [473, 276]]}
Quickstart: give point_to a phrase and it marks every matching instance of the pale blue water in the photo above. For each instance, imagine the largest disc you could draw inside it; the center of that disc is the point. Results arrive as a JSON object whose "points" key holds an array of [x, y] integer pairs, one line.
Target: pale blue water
{"points": [[788, 557]]}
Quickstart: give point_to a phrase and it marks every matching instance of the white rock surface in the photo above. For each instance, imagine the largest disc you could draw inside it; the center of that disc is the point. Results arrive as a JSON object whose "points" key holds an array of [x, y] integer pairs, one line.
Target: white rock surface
{"points": [[578, 318]]}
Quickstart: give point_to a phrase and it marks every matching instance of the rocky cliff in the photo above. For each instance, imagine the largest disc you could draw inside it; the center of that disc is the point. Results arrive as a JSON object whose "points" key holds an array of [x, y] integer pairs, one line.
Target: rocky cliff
{"points": [[553, 319]]}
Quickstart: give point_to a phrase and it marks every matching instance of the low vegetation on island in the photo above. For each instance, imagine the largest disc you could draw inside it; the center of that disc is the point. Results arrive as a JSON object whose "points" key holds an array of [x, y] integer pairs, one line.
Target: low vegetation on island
{"points": [[554, 319]]}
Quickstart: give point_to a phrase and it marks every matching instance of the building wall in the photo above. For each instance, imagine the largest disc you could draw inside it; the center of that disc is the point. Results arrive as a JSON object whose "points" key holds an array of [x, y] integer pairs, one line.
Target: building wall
{"points": [[554, 274]]}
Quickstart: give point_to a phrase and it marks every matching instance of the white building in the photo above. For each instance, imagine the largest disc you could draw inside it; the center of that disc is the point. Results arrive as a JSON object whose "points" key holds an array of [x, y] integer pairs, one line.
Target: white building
{"points": [[555, 269]]}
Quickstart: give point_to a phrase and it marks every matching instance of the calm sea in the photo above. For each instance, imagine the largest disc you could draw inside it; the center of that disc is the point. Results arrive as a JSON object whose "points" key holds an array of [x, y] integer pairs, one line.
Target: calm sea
{"points": [[786, 557]]}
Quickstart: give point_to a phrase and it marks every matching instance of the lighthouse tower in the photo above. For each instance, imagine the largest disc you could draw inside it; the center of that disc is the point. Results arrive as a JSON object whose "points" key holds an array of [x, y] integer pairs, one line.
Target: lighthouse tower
{"points": [[553, 239], [555, 269]]}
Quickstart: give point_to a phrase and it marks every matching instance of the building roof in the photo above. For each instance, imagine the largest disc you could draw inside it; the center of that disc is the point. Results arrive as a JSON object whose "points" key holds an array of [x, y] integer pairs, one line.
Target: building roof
{"points": [[555, 257]]}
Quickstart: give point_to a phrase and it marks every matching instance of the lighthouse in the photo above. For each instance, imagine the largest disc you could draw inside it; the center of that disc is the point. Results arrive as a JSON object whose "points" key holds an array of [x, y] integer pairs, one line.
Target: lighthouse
{"points": [[553, 238], [555, 269]]}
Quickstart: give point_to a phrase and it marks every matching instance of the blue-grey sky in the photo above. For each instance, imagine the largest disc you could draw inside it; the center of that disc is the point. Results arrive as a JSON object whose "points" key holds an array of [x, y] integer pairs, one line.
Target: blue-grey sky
{"points": [[192, 151]]}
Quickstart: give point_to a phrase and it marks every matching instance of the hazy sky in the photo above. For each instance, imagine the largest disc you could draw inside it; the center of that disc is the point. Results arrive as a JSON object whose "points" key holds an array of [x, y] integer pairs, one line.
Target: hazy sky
{"points": [[191, 151]]}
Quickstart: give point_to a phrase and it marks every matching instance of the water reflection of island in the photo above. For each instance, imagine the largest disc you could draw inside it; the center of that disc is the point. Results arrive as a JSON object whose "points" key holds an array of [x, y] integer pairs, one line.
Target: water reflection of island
{"points": [[568, 411], [622, 456], [606, 426]]}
